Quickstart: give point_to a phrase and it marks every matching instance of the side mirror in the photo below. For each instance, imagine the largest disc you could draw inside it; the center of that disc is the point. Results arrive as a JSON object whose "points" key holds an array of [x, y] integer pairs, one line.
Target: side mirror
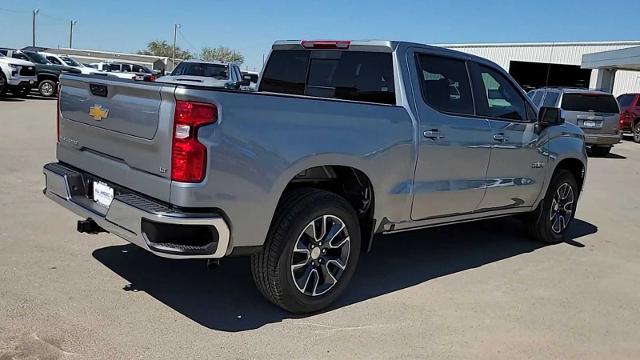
{"points": [[548, 116], [245, 82]]}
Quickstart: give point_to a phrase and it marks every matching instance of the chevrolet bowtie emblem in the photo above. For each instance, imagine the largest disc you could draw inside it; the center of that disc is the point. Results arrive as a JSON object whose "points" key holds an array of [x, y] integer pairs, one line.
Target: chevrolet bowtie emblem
{"points": [[98, 113]]}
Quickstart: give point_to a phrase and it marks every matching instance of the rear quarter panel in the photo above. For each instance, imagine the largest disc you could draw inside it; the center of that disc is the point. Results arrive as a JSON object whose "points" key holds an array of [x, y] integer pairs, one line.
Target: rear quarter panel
{"points": [[261, 142]]}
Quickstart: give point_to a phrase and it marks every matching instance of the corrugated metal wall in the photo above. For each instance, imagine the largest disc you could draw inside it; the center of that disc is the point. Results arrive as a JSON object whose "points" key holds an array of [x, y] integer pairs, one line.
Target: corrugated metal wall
{"points": [[557, 53]]}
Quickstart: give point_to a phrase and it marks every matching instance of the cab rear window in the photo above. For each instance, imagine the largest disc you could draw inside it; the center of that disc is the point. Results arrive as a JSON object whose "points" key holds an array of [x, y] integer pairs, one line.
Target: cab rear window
{"points": [[590, 102], [347, 75]]}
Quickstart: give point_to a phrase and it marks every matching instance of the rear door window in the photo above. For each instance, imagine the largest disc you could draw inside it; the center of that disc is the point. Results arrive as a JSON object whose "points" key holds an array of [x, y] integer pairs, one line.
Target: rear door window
{"points": [[538, 97], [53, 60], [347, 75], [585, 102], [445, 84], [551, 99]]}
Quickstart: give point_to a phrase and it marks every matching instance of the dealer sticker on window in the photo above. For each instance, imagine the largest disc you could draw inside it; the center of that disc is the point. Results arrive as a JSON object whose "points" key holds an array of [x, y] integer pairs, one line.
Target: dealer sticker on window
{"points": [[102, 193]]}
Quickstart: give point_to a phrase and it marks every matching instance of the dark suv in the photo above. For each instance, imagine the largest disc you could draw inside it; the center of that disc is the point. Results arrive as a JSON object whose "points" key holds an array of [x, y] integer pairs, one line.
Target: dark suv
{"points": [[630, 114], [595, 112]]}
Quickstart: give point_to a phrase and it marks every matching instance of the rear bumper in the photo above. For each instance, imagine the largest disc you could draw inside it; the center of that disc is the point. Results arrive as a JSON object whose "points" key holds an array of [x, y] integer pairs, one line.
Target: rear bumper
{"points": [[601, 139], [130, 216]]}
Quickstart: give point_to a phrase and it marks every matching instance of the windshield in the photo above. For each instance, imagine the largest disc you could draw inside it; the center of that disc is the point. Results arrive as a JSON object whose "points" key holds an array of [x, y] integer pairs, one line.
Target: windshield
{"points": [[216, 71], [70, 61], [36, 58], [590, 102]]}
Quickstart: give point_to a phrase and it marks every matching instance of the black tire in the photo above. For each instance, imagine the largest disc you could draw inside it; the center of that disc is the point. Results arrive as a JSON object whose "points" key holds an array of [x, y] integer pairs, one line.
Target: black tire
{"points": [[540, 223], [3, 84], [272, 268], [600, 151], [21, 93], [636, 131], [47, 88]]}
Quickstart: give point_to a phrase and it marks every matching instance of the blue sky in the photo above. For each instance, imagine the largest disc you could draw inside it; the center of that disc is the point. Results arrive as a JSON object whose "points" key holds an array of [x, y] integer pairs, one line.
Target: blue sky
{"points": [[251, 26]]}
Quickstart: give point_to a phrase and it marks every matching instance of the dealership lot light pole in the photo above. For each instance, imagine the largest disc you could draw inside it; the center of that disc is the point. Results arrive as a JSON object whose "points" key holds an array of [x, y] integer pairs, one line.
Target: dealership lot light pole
{"points": [[33, 25], [175, 33], [72, 23]]}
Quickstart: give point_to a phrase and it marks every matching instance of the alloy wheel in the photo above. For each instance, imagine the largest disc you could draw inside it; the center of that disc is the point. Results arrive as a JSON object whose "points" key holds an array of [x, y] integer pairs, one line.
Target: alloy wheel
{"points": [[636, 132], [46, 89], [561, 208], [320, 255]]}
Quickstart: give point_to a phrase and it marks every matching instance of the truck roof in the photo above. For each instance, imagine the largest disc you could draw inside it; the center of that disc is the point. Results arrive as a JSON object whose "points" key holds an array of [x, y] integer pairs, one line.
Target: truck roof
{"points": [[372, 45]]}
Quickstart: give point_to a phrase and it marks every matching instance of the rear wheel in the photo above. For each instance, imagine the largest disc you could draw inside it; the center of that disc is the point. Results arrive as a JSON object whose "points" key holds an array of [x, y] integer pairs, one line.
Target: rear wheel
{"points": [[47, 88], [600, 151], [311, 251], [555, 212], [636, 131]]}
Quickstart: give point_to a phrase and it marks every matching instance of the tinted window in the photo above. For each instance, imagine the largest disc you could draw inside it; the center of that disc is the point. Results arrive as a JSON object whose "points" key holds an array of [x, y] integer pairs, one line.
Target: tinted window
{"points": [[216, 71], [113, 67], [590, 102], [445, 84], [496, 96], [126, 68], [20, 56], [36, 58], [70, 61], [348, 75], [626, 100], [551, 99], [53, 60], [537, 97]]}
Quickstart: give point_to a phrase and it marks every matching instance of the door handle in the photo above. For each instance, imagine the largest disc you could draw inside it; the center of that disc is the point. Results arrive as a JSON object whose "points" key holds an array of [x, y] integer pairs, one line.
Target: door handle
{"points": [[433, 134], [500, 137]]}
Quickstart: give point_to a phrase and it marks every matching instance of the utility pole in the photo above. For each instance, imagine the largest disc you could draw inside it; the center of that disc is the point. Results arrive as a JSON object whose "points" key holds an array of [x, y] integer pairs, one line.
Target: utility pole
{"points": [[72, 23], [175, 33], [33, 23]]}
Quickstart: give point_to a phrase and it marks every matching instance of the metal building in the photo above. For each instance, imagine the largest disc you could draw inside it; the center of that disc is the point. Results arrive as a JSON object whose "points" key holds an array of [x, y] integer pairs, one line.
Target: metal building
{"points": [[555, 64]]}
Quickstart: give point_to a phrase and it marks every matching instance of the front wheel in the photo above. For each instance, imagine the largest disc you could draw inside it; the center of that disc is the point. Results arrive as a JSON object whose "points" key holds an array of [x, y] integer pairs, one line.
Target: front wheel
{"points": [[555, 212], [311, 251], [47, 88], [3, 83], [636, 132]]}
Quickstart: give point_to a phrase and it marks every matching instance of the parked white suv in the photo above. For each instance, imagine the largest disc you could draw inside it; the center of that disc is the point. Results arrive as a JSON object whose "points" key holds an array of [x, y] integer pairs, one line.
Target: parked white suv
{"points": [[126, 70], [17, 76], [65, 60]]}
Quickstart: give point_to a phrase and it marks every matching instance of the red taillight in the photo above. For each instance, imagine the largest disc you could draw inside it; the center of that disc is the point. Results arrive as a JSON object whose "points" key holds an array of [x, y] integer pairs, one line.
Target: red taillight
{"points": [[152, 78], [325, 44], [188, 155]]}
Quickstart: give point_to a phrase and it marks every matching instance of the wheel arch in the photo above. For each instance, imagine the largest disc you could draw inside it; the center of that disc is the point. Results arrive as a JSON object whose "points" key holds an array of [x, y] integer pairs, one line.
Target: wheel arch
{"points": [[346, 180], [576, 167]]}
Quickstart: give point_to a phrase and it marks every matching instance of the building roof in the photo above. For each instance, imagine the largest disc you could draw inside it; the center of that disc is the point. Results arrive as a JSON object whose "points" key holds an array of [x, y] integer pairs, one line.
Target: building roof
{"points": [[560, 43], [622, 59]]}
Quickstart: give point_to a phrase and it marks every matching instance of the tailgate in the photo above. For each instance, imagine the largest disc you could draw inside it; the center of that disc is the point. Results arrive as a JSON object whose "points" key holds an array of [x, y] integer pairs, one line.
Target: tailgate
{"points": [[119, 130]]}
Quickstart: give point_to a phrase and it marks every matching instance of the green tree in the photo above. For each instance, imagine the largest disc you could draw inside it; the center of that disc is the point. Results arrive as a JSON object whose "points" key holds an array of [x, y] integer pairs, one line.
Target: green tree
{"points": [[164, 49], [221, 53]]}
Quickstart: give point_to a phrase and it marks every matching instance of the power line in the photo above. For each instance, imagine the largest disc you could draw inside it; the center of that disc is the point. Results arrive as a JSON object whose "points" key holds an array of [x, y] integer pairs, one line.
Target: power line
{"points": [[16, 11], [189, 43]]}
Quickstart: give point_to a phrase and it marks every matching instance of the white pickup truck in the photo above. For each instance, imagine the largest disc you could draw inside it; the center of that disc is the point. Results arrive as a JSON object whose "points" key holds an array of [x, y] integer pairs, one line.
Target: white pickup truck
{"points": [[17, 76]]}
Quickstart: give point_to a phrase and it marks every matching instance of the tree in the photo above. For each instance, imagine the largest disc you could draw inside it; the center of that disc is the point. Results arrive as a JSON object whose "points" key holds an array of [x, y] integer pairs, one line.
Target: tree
{"points": [[162, 48], [221, 53]]}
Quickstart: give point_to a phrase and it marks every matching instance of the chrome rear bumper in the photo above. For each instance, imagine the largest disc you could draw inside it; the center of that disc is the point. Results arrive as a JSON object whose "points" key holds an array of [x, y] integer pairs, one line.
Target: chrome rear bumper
{"points": [[128, 211]]}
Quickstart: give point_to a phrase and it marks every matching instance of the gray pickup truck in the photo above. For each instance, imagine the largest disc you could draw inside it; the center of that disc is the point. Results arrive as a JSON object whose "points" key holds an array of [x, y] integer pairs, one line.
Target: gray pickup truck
{"points": [[342, 141]]}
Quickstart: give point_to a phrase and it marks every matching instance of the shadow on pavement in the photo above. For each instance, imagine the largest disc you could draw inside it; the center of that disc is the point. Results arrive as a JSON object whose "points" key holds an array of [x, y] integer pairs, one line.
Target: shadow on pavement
{"points": [[227, 300]]}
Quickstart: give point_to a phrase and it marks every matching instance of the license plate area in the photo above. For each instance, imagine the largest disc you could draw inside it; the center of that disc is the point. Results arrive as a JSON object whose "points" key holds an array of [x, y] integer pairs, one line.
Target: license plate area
{"points": [[102, 193], [591, 124]]}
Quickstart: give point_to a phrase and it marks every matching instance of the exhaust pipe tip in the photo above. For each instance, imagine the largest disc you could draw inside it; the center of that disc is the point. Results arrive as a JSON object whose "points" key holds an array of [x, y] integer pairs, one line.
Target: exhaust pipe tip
{"points": [[89, 226]]}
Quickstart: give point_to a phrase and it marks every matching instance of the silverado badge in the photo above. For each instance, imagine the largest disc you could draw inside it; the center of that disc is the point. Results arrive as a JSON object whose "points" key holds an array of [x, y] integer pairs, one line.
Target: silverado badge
{"points": [[97, 112]]}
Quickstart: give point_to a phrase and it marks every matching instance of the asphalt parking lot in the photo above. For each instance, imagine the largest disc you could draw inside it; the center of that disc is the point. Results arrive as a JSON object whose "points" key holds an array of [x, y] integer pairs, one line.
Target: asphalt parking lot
{"points": [[480, 290]]}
